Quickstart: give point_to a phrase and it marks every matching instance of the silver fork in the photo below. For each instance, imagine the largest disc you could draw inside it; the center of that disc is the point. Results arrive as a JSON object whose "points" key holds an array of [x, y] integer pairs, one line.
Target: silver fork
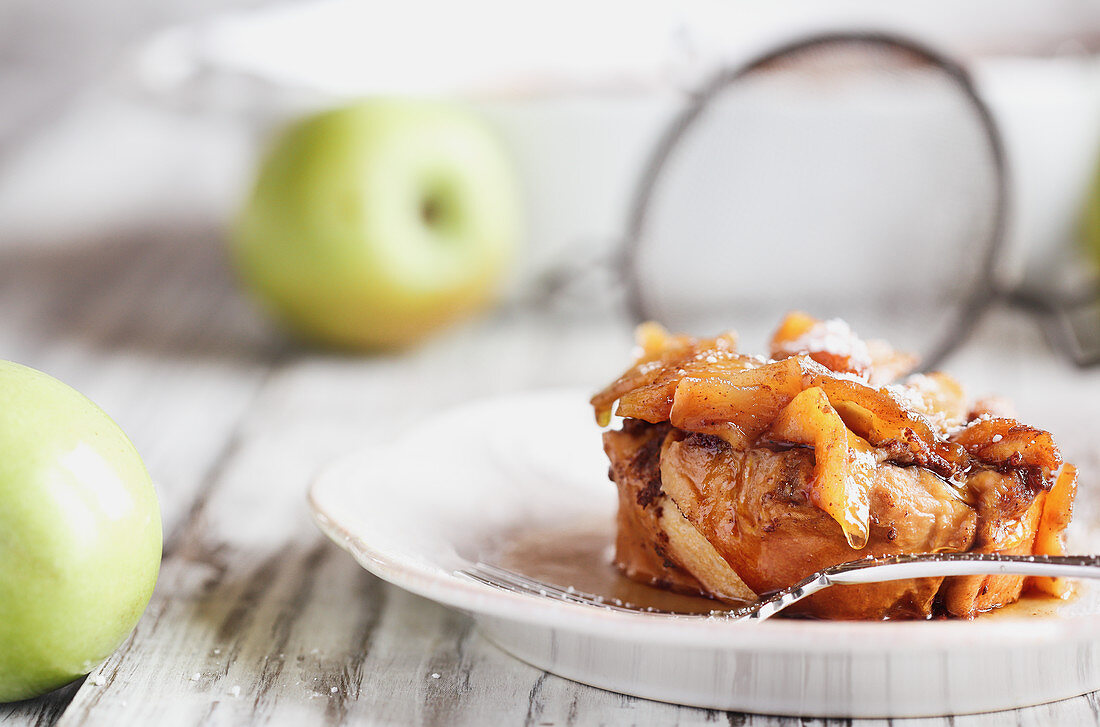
{"points": [[865, 570]]}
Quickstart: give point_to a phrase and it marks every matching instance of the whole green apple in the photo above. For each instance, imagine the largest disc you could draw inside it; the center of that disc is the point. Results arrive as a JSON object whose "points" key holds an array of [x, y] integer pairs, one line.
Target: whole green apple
{"points": [[373, 225], [80, 534]]}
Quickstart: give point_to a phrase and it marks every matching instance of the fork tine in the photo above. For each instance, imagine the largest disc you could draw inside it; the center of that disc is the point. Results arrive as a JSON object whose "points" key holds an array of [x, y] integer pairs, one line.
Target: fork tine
{"points": [[509, 580], [518, 583], [501, 577], [530, 584]]}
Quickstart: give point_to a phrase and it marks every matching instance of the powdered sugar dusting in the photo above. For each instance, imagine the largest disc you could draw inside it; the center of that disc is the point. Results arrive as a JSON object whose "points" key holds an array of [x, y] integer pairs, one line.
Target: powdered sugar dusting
{"points": [[834, 337]]}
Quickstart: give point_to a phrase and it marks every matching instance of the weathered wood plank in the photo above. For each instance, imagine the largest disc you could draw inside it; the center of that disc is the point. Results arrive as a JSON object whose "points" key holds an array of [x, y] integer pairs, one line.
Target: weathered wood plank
{"points": [[41, 712], [149, 326]]}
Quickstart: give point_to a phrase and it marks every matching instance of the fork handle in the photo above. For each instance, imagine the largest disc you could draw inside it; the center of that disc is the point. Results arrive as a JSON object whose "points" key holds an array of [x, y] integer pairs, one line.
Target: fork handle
{"points": [[900, 567]]}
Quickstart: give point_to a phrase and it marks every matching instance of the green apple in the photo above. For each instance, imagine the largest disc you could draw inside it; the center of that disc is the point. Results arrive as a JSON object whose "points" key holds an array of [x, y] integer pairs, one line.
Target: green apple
{"points": [[80, 534], [372, 225], [1090, 222]]}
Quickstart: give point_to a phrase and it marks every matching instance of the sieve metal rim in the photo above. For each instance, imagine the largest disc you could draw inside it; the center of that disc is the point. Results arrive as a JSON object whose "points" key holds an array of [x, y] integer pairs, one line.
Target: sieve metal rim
{"points": [[985, 288]]}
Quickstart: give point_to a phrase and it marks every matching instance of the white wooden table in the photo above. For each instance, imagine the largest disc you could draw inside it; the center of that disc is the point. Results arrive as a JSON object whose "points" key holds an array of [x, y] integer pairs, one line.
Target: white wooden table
{"points": [[256, 618]]}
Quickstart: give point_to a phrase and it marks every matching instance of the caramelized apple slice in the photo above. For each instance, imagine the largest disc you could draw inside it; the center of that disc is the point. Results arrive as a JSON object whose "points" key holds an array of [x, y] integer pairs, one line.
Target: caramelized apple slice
{"points": [[740, 406], [1050, 538], [650, 382], [844, 464], [639, 375], [878, 416], [1007, 443], [653, 402]]}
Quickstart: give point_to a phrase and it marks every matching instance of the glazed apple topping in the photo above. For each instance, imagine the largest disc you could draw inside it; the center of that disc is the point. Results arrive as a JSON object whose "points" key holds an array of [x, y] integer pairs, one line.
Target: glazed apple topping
{"points": [[844, 462], [817, 391]]}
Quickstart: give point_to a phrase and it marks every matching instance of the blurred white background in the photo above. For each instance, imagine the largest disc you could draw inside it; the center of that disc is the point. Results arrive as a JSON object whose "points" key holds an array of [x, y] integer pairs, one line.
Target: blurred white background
{"points": [[124, 114]]}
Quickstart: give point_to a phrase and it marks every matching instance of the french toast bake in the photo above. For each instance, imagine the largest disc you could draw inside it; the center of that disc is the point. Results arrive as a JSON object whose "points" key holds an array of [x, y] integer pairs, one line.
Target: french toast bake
{"points": [[740, 475]]}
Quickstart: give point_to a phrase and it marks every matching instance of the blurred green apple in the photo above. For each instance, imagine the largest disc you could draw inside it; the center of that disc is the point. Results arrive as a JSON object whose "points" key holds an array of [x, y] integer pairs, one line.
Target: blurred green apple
{"points": [[1090, 223], [372, 225], [80, 534]]}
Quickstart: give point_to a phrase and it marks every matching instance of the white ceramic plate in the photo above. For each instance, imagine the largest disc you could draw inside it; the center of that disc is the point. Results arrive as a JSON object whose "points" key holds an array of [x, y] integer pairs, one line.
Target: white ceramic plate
{"points": [[522, 481]]}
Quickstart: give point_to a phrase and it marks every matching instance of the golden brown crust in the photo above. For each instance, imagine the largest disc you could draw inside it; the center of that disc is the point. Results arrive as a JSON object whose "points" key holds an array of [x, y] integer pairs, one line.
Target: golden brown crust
{"points": [[640, 549], [655, 543]]}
